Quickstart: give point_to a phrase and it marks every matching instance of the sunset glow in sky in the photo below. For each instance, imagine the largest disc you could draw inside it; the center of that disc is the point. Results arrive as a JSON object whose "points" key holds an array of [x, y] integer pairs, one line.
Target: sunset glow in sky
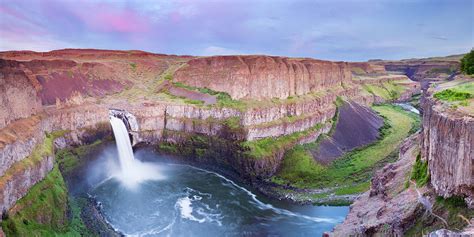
{"points": [[348, 30]]}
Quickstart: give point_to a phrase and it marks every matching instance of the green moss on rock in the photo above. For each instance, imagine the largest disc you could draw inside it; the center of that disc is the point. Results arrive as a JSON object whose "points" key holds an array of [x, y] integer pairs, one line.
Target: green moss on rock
{"points": [[44, 211]]}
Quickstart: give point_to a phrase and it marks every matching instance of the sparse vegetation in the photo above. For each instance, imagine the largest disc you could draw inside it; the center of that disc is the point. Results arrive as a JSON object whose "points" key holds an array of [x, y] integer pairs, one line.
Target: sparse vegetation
{"points": [[358, 71], [68, 159], [387, 90], [168, 77], [269, 146], [232, 123], [133, 66], [37, 155], [445, 70], [454, 210], [420, 172]]}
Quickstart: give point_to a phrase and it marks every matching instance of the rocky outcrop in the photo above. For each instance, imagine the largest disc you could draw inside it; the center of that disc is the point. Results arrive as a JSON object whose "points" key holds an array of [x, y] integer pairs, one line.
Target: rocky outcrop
{"points": [[18, 140], [18, 96], [26, 156], [16, 184], [448, 145], [388, 208], [263, 77]]}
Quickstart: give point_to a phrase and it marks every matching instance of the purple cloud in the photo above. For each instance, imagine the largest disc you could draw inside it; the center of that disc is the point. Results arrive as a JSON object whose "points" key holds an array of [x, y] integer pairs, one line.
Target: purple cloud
{"points": [[336, 30]]}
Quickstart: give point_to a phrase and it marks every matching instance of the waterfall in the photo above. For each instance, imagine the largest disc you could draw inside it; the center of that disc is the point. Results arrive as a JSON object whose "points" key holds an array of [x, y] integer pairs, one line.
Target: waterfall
{"points": [[132, 171], [124, 146]]}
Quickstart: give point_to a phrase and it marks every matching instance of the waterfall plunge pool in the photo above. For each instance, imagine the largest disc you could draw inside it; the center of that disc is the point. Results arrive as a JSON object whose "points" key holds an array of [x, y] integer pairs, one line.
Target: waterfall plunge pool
{"points": [[183, 200]]}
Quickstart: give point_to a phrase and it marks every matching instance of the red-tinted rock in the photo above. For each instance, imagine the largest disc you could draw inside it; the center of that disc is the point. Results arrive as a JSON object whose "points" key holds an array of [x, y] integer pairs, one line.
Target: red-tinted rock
{"points": [[263, 77]]}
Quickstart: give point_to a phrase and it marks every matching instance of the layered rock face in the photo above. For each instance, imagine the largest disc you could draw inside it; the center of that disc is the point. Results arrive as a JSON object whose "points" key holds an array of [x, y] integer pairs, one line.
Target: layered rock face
{"points": [[39, 80], [62, 74], [422, 69], [18, 96], [263, 77], [361, 68], [25, 159], [448, 145]]}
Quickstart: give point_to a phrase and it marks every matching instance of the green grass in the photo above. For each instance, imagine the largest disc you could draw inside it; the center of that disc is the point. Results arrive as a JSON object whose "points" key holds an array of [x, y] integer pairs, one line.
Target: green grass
{"points": [[353, 189], [386, 90], [232, 122], [267, 147], [420, 171], [453, 95], [69, 159], [465, 87], [352, 171], [298, 168], [43, 210]]}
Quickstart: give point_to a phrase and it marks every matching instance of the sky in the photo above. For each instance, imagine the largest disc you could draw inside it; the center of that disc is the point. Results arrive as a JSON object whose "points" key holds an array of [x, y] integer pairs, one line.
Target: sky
{"points": [[343, 30]]}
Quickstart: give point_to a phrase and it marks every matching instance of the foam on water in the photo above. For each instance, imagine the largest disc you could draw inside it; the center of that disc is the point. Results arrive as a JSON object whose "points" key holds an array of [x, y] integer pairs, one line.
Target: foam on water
{"points": [[264, 206], [184, 205], [186, 209]]}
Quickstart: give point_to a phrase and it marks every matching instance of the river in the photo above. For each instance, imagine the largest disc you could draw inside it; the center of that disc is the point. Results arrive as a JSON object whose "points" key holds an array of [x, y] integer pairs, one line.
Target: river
{"points": [[189, 201]]}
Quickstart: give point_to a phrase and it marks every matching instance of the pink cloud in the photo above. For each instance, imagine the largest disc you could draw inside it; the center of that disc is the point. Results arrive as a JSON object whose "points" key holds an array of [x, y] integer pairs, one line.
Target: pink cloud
{"points": [[110, 18]]}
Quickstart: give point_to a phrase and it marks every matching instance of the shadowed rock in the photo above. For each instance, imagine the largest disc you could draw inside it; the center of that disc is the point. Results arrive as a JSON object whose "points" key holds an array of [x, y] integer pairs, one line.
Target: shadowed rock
{"points": [[357, 126]]}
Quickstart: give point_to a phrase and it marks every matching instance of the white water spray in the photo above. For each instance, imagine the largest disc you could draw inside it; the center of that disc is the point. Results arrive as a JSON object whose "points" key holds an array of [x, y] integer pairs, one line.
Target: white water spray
{"points": [[124, 145], [132, 171]]}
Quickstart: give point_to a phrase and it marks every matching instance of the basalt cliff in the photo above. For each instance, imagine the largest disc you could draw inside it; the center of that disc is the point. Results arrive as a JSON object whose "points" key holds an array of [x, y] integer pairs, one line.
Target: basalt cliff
{"points": [[220, 111], [403, 202]]}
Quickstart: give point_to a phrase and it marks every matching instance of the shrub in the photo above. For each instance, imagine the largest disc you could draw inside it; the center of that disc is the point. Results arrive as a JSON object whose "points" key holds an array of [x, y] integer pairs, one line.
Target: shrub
{"points": [[168, 77], [134, 66], [452, 95], [420, 172], [467, 63]]}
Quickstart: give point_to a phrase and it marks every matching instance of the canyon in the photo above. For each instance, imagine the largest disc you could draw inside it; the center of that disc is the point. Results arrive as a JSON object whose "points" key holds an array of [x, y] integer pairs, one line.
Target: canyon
{"points": [[238, 114]]}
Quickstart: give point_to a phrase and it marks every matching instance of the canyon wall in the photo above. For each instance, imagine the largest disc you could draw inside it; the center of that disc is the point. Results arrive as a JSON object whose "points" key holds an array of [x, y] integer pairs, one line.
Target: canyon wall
{"points": [[422, 69], [263, 77], [448, 145], [46, 85], [18, 96]]}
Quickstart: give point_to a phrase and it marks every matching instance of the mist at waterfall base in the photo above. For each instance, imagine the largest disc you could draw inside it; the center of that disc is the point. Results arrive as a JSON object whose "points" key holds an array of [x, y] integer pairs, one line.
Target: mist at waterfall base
{"points": [[176, 199], [131, 171]]}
